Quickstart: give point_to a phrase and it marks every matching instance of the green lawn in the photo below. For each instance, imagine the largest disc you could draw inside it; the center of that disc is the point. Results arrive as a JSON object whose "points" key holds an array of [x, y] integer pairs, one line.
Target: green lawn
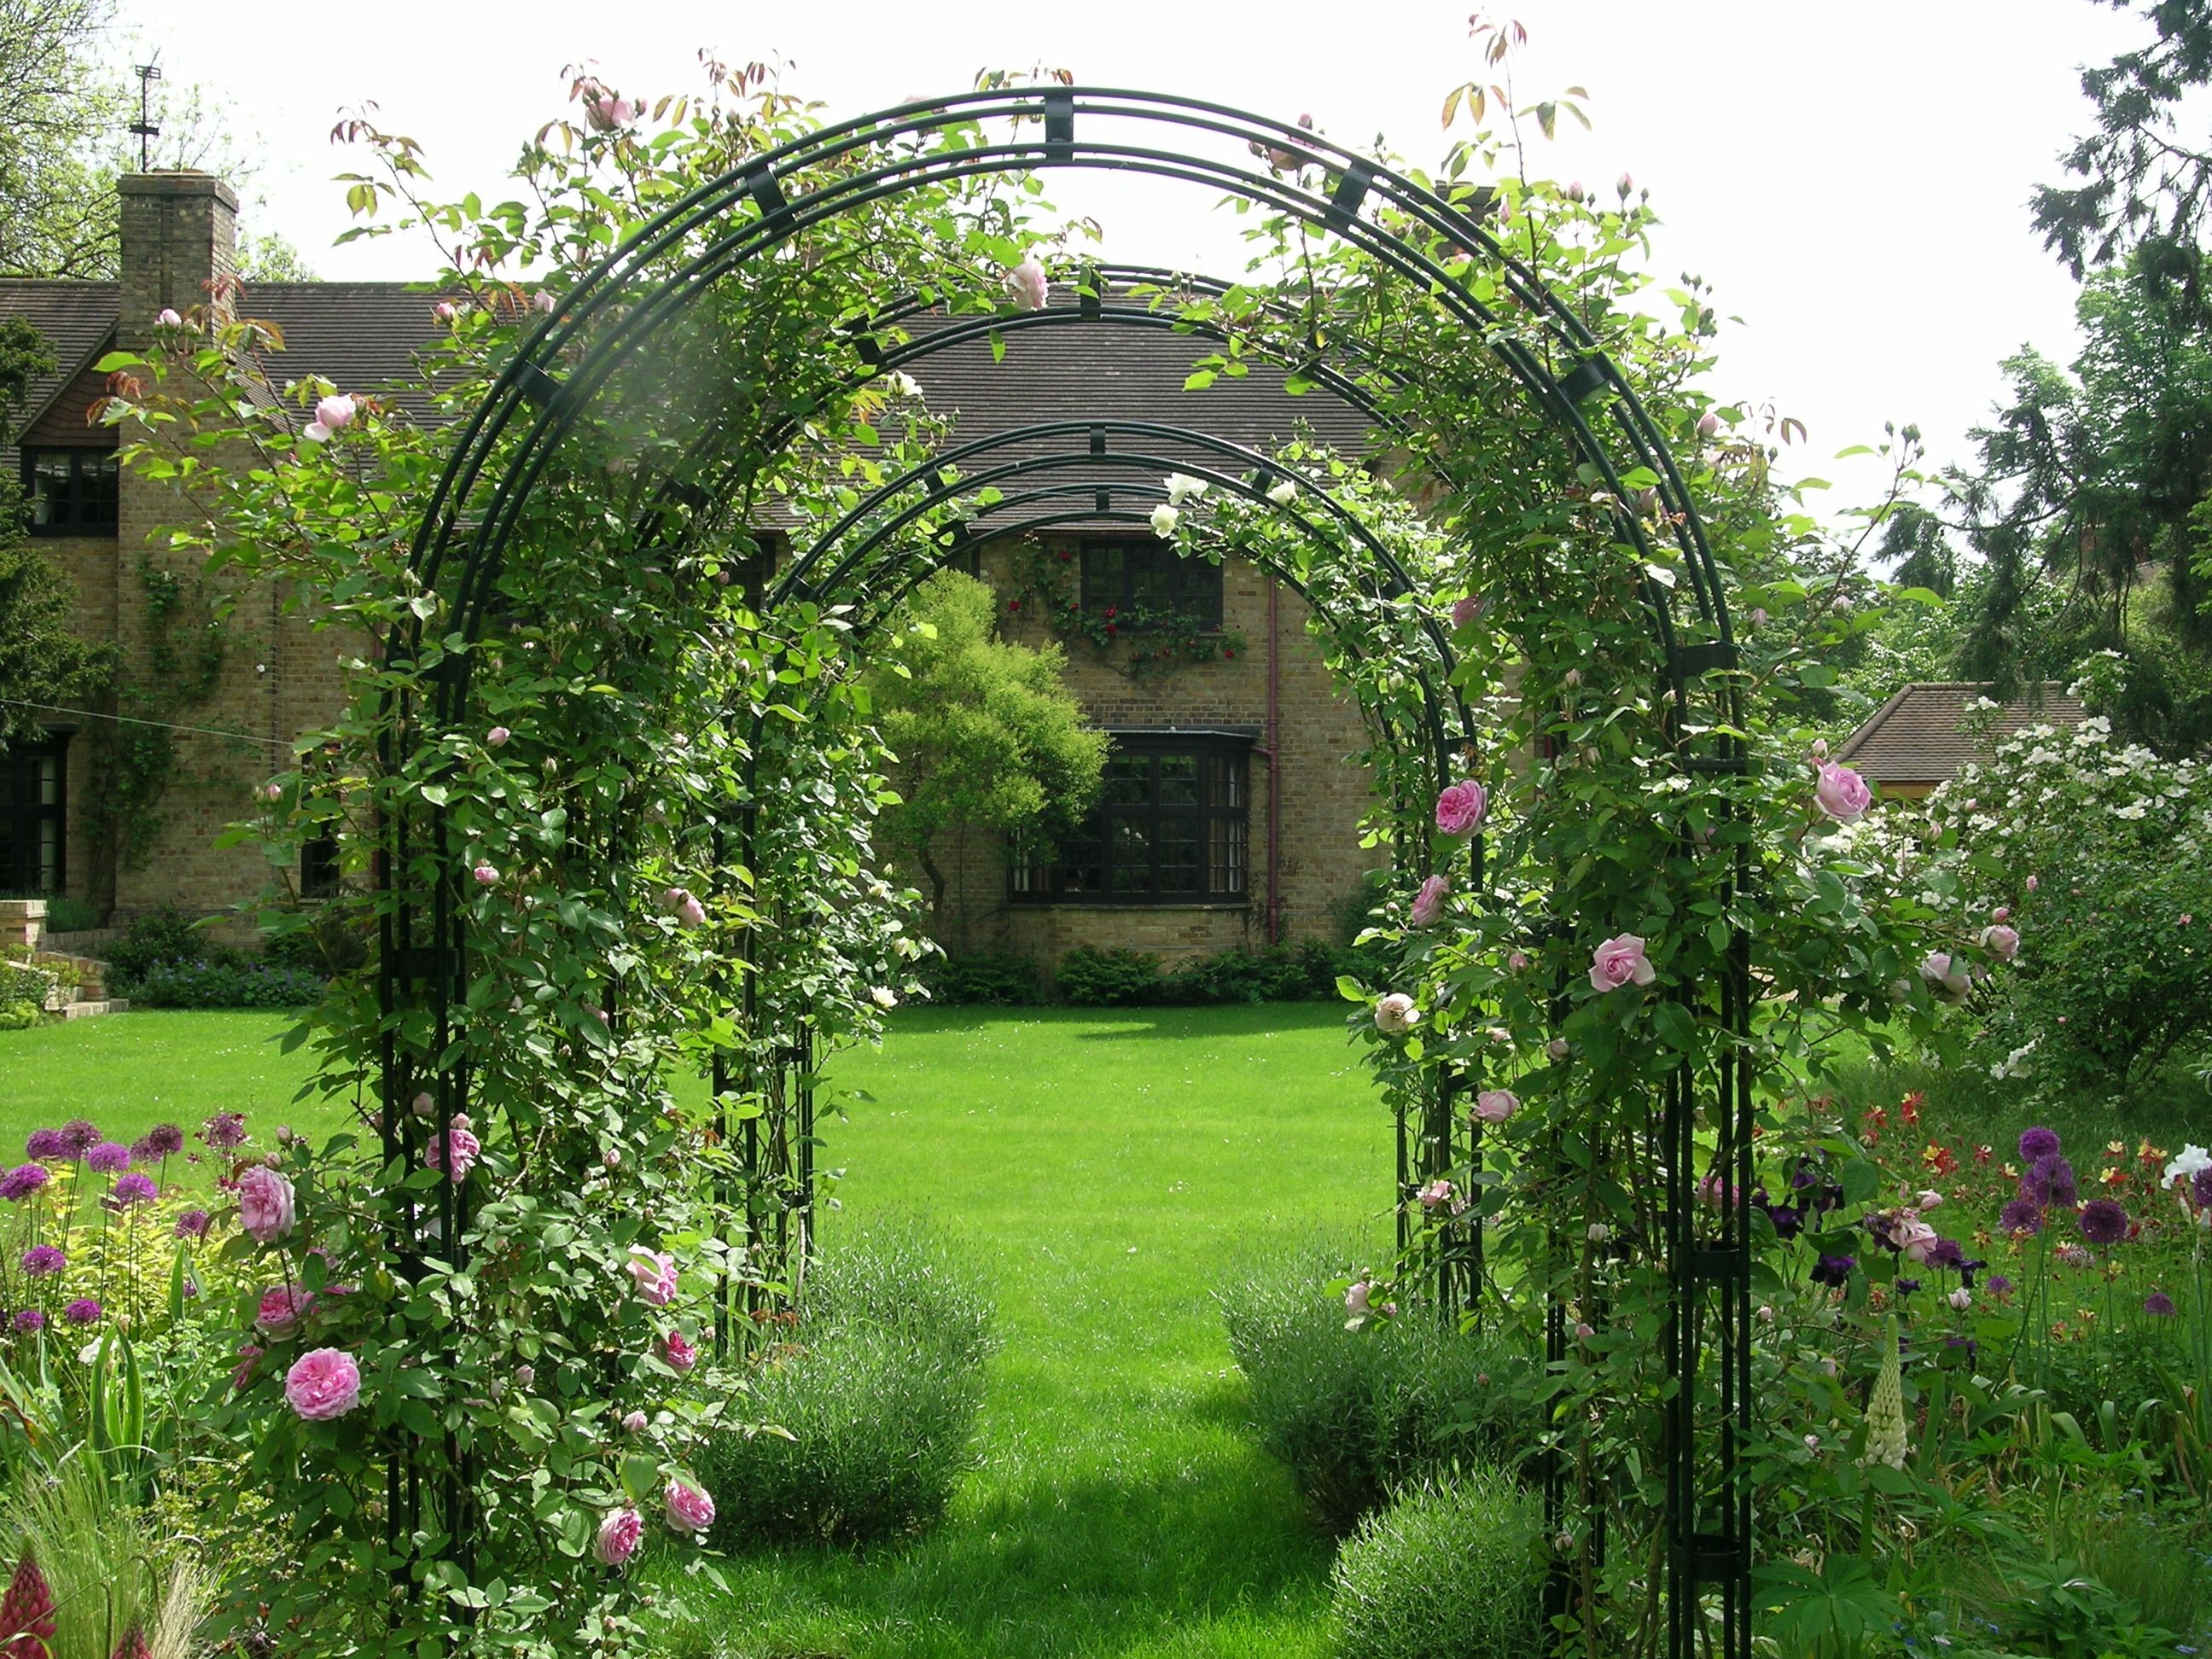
{"points": [[1101, 1167]]}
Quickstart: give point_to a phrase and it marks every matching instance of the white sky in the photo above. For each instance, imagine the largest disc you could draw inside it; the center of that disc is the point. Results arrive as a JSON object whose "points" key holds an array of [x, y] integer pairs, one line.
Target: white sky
{"points": [[1853, 181]]}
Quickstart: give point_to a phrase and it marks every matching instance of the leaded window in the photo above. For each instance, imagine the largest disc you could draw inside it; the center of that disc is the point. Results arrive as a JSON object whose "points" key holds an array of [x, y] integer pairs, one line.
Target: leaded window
{"points": [[1171, 827]]}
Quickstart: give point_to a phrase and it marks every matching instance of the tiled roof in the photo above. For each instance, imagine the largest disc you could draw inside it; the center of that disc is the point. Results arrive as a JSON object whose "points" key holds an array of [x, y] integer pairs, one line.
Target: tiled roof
{"points": [[76, 319], [1919, 735]]}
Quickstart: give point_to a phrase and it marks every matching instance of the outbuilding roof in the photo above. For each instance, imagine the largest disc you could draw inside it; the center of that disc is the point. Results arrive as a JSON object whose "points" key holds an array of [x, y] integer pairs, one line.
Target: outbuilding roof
{"points": [[1920, 735]]}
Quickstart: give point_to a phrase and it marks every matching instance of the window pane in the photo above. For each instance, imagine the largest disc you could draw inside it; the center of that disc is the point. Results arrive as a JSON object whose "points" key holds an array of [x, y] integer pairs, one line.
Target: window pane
{"points": [[1104, 573], [1128, 780], [1178, 780], [51, 495], [1179, 865], [1130, 853]]}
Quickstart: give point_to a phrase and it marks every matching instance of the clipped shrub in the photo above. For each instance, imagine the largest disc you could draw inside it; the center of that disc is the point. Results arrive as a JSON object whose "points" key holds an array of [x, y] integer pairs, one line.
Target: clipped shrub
{"points": [[1355, 1414], [995, 978], [878, 1387], [224, 984], [1304, 972], [20, 1016], [166, 935], [1091, 978], [1452, 1570]]}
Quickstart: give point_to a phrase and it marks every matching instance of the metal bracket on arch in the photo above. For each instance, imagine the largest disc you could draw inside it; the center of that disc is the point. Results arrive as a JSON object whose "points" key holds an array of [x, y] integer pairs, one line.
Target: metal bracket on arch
{"points": [[1059, 124], [768, 195]]}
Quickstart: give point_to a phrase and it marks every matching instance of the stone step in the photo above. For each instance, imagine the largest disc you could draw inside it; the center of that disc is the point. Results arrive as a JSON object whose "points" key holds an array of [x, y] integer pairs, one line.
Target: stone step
{"points": [[88, 1010]]}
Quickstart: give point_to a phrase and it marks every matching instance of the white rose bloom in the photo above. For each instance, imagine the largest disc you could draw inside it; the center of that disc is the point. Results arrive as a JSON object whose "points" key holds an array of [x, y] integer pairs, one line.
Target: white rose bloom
{"points": [[1164, 521], [1283, 492], [1182, 488]]}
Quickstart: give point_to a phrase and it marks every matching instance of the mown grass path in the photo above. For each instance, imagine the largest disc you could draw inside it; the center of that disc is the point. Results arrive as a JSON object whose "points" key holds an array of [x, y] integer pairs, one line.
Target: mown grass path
{"points": [[1102, 1168]]}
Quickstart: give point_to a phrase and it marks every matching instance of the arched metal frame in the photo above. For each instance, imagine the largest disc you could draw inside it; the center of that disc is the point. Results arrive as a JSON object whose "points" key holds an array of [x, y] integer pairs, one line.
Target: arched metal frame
{"points": [[752, 209]]}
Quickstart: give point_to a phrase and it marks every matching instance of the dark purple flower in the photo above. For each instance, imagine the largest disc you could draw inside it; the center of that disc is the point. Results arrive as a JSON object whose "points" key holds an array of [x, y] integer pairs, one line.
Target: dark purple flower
{"points": [[1964, 1345], [82, 1311], [2159, 1305], [2201, 1187], [1833, 1269], [1906, 1286], [2023, 1216], [2050, 1180], [108, 1158], [49, 1146], [22, 1181], [80, 1135], [2104, 1221], [1802, 1175], [192, 1223], [30, 1320], [1882, 1225], [2038, 1143], [164, 1139], [1999, 1286], [224, 1131], [43, 1259], [135, 1188], [1967, 1270], [1946, 1253]]}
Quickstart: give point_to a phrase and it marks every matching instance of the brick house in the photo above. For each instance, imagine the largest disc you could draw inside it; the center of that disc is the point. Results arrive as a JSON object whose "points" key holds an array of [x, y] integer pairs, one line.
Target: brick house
{"points": [[1231, 803]]}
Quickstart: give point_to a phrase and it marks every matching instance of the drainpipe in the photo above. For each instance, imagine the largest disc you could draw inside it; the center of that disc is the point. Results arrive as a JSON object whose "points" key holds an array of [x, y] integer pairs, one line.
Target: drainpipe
{"points": [[1275, 766]]}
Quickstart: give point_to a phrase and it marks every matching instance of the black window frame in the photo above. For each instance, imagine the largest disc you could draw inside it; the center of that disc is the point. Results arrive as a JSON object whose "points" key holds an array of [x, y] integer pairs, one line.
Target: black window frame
{"points": [[94, 509], [1166, 793], [25, 817], [1154, 588], [320, 877]]}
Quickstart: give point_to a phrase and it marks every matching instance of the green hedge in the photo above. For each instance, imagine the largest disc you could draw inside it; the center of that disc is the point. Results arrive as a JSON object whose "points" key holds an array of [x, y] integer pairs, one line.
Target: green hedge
{"points": [[1092, 978], [1452, 1570]]}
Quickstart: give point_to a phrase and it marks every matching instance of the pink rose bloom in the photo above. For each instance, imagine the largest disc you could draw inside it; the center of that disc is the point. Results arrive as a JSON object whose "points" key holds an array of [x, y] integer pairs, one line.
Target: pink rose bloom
{"points": [[315, 433], [1518, 961], [265, 1203], [2032, 884], [690, 1509], [1707, 424], [1916, 1238], [604, 111], [1437, 1192], [1944, 977], [619, 1534], [1759, 616], [678, 1351], [496, 735], [1618, 961], [635, 1422], [169, 319], [487, 874], [1394, 1015], [1557, 1049], [1027, 285], [1929, 1200], [1468, 610], [444, 311], [2001, 941], [1461, 808], [467, 1149], [544, 300], [1843, 793], [281, 1312], [1962, 1299], [1356, 1298], [1582, 1330], [654, 1274], [335, 413], [247, 1353], [1496, 1105], [322, 1383], [679, 902], [1429, 902]]}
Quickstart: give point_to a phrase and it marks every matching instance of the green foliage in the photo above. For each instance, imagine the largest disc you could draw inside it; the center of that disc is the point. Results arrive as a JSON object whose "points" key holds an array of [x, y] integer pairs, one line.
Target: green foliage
{"points": [[1089, 977], [225, 984], [988, 738], [20, 1016], [166, 935], [869, 1402], [1359, 1414], [66, 915], [1451, 1570], [42, 660], [1003, 978], [105, 1565]]}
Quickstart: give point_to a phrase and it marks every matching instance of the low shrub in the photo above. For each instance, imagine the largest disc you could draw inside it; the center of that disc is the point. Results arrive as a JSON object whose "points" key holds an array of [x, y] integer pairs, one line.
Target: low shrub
{"points": [[1091, 978], [996, 978], [223, 984], [324, 941], [66, 915], [1280, 973], [1452, 1570], [1357, 1414], [20, 1016], [166, 935], [878, 1388], [23, 982]]}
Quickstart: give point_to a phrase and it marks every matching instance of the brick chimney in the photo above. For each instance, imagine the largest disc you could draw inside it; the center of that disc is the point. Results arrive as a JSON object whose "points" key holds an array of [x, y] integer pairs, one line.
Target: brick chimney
{"points": [[179, 233]]}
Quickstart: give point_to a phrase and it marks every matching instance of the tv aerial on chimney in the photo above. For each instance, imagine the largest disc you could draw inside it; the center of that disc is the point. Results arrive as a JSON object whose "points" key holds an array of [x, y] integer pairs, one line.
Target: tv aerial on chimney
{"points": [[146, 126]]}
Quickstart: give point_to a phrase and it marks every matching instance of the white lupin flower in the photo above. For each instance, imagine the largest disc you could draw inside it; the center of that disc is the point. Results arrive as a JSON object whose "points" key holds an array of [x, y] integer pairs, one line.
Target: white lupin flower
{"points": [[1886, 1411]]}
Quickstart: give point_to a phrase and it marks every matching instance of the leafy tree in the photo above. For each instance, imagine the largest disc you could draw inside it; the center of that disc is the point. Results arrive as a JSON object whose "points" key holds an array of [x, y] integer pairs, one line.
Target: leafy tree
{"points": [[988, 736]]}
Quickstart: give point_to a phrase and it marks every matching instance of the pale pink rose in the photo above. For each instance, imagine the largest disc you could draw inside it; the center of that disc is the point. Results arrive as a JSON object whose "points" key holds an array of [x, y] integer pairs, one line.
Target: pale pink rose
{"points": [[1843, 793], [1625, 184], [1759, 616], [1496, 1105], [1944, 977], [2001, 942], [425, 1104], [322, 1383], [168, 318], [1394, 1014], [2000, 914], [315, 433], [688, 911], [1575, 190], [1707, 424], [605, 111], [619, 1534], [1468, 610], [1437, 1192], [1429, 902], [444, 311], [1929, 1200], [654, 1274], [2032, 884], [1618, 961], [1028, 286], [677, 1352], [1357, 1297], [1583, 1331], [1518, 961], [282, 1309], [487, 874], [1915, 1237], [1557, 1049], [635, 1422], [497, 736], [689, 1508], [545, 300], [1819, 749], [525, 1376], [1962, 1299], [265, 1203], [467, 1149], [335, 411], [1461, 808]]}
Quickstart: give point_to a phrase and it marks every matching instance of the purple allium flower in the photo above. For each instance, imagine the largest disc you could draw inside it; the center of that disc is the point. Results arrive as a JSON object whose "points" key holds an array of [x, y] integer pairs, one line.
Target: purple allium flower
{"points": [[135, 1188], [30, 1320], [192, 1223], [80, 1135], [164, 1139], [49, 1146], [2051, 1180], [22, 1181], [43, 1259], [2000, 1286], [2159, 1305], [2038, 1143], [2104, 1221], [1946, 1253], [2023, 1216], [224, 1131], [1833, 1269], [108, 1158], [82, 1311]]}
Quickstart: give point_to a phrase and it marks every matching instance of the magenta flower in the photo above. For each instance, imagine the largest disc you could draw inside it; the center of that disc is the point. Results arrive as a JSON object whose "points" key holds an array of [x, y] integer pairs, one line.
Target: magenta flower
{"points": [[653, 1272], [42, 1260], [266, 1204], [242, 1372], [224, 1131], [1429, 902], [28, 1320], [1461, 807], [108, 1158], [689, 1508], [677, 1352], [192, 1223], [2038, 1143], [620, 1532], [1028, 286], [2159, 1305], [1469, 611], [322, 1383], [23, 1180], [466, 1149], [1619, 961], [82, 1311], [80, 1135], [49, 1146], [164, 1140], [1842, 794], [135, 1190], [281, 1309]]}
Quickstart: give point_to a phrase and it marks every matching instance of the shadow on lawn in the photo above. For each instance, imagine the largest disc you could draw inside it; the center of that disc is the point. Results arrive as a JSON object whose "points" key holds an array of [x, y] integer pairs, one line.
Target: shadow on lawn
{"points": [[1095, 1565]]}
